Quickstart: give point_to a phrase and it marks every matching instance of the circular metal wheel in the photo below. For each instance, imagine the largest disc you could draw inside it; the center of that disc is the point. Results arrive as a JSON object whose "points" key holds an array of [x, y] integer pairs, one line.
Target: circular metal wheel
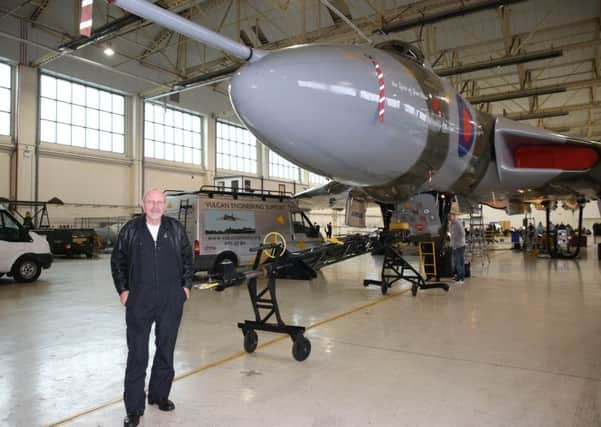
{"points": [[250, 341], [301, 348], [26, 270], [384, 287]]}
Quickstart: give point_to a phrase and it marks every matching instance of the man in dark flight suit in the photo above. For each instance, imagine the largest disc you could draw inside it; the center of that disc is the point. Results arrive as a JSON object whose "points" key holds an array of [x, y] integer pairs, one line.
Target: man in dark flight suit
{"points": [[152, 271]]}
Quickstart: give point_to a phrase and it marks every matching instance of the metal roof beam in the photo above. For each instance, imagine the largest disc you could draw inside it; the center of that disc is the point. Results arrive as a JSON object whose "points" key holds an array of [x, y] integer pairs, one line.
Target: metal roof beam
{"points": [[454, 12], [524, 93], [500, 62]]}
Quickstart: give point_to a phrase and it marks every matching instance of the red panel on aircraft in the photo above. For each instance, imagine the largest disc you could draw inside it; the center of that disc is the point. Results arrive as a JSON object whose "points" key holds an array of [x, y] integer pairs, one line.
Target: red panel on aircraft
{"points": [[567, 157], [467, 126]]}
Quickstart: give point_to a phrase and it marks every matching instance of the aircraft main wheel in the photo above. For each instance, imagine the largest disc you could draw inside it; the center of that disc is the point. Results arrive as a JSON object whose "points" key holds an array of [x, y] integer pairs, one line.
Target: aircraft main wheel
{"points": [[250, 341], [414, 290], [384, 287], [301, 348]]}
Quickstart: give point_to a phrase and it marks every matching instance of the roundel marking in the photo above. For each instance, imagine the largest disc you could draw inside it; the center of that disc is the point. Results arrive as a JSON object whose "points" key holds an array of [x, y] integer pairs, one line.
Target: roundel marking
{"points": [[466, 128]]}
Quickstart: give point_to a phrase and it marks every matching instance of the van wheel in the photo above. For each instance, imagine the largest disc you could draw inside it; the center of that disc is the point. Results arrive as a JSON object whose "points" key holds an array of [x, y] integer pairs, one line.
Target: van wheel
{"points": [[26, 270], [217, 269]]}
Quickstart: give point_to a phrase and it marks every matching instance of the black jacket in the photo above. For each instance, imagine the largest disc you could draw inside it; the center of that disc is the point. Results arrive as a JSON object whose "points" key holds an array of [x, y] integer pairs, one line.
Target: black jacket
{"points": [[122, 266]]}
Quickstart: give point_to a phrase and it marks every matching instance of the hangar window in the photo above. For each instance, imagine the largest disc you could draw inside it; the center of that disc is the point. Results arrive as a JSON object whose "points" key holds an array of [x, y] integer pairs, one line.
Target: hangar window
{"points": [[236, 148], [5, 99], [315, 179], [282, 168], [171, 134], [79, 115]]}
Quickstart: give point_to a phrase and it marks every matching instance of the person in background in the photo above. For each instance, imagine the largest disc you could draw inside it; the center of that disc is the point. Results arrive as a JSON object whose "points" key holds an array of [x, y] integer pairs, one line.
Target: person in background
{"points": [[458, 246], [28, 221]]}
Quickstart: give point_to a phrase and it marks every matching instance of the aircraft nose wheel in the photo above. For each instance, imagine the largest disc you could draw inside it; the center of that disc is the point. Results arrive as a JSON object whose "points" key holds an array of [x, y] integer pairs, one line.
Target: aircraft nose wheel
{"points": [[250, 341], [301, 348]]}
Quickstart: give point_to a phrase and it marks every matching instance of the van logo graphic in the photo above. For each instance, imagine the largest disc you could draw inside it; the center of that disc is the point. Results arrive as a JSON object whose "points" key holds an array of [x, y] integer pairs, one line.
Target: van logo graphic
{"points": [[281, 219], [466, 128]]}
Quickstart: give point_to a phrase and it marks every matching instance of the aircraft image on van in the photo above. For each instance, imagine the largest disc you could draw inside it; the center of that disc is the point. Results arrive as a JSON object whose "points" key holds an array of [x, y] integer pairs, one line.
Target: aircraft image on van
{"points": [[230, 217], [219, 222]]}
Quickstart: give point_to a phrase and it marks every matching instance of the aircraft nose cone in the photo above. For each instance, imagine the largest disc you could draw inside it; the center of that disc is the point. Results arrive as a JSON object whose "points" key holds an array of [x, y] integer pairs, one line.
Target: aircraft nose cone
{"points": [[318, 106]]}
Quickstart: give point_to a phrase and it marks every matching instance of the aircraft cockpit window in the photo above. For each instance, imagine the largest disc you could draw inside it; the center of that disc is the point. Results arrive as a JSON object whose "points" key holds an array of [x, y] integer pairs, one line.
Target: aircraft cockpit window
{"points": [[403, 50]]}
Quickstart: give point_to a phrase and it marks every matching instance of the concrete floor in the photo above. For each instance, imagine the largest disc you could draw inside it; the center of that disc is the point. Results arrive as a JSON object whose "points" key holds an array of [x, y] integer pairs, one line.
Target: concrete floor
{"points": [[517, 345]]}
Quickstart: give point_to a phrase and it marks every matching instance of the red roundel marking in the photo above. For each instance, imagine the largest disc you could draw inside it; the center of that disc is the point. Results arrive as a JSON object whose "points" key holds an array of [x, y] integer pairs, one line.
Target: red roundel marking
{"points": [[467, 125], [435, 105], [467, 130], [420, 227]]}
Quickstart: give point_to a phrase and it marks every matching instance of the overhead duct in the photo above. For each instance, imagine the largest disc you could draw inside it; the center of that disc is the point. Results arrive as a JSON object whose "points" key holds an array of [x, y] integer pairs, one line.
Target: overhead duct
{"points": [[537, 115], [500, 62], [524, 93], [81, 42], [197, 82], [449, 13]]}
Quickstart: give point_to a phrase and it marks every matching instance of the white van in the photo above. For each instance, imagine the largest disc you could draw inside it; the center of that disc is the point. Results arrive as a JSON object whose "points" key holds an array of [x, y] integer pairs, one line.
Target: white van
{"points": [[227, 225], [23, 254]]}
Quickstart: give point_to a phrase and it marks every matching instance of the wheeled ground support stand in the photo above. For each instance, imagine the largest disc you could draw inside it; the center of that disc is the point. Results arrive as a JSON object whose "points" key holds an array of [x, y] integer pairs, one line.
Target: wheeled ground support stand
{"points": [[393, 262], [265, 301]]}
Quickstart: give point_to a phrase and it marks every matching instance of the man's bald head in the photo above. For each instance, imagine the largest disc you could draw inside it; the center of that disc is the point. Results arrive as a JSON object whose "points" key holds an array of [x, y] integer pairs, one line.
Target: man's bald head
{"points": [[153, 204], [154, 192]]}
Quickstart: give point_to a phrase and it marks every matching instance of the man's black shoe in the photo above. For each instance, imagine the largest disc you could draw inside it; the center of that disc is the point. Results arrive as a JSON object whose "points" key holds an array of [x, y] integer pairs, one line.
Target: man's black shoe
{"points": [[164, 404], [131, 420]]}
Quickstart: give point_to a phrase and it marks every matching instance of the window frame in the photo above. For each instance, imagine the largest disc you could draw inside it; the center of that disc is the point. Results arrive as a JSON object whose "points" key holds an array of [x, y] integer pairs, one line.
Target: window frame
{"points": [[177, 114], [250, 154], [85, 130], [283, 166], [11, 103]]}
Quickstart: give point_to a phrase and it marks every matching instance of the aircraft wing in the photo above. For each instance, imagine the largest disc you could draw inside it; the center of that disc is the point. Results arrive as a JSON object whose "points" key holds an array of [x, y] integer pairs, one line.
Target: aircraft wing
{"points": [[329, 195]]}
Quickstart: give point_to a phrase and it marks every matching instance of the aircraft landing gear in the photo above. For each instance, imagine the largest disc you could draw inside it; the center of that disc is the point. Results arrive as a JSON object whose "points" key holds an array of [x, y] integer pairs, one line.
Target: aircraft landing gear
{"points": [[553, 250]]}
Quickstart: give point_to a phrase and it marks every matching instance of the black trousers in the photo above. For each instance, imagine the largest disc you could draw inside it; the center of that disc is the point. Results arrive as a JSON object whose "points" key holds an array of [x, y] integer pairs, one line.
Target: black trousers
{"points": [[166, 313]]}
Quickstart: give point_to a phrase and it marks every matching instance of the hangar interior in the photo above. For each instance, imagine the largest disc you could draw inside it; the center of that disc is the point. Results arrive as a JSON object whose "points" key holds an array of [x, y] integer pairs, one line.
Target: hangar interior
{"points": [[95, 121]]}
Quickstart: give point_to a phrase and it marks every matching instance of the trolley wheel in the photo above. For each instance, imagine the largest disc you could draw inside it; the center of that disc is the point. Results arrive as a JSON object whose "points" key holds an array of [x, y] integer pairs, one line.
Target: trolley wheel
{"points": [[301, 348], [384, 287], [250, 341], [414, 290]]}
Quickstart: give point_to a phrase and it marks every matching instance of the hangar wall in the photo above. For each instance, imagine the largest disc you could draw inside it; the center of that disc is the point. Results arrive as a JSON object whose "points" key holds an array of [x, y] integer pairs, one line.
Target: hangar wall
{"points": [[4, 171]]}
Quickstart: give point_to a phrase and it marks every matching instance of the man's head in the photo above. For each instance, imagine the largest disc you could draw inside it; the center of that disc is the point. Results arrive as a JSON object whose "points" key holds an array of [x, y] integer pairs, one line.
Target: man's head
{"points": [[153, 204], [452, 216]]}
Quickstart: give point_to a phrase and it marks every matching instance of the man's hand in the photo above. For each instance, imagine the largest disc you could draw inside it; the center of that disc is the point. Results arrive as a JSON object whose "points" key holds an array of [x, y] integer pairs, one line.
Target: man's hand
{"points": [[123, 296], [187, 291]]}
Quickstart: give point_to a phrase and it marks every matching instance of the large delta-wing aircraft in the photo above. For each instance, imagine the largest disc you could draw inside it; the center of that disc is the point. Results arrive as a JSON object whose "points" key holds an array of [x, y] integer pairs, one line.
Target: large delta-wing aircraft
{"points": [[384, 127]]}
